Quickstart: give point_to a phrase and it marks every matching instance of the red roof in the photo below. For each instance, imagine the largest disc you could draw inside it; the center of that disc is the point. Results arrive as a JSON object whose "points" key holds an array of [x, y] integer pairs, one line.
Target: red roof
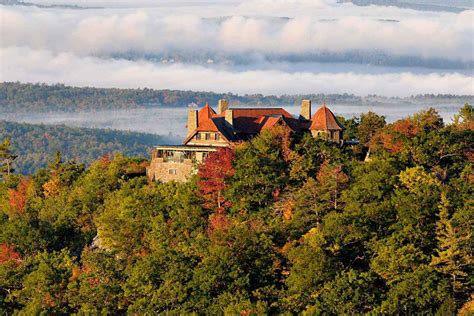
{"points": [[205, 113], [207, 126], [268, 122], [324, 119], [251, 121], [248, 120]]}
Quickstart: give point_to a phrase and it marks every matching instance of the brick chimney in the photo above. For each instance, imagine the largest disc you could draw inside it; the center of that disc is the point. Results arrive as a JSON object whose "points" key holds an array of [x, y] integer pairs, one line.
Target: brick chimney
{"points": [[222, 106], [305, 110], [192, 121], [229, 117]]}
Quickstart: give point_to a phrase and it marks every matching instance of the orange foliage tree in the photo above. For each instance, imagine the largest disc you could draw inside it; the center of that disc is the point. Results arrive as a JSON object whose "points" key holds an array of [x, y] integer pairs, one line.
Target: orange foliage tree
{"points": [[18, 197], [9, 254]]}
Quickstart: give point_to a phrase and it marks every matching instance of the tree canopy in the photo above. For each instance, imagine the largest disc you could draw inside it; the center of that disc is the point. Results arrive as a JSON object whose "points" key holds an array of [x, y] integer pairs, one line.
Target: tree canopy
{"points": [[282, 224]]}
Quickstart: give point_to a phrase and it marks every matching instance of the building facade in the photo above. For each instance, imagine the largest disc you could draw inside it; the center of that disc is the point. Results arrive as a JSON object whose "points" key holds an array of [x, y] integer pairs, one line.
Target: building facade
{"points": [[208, 130]]}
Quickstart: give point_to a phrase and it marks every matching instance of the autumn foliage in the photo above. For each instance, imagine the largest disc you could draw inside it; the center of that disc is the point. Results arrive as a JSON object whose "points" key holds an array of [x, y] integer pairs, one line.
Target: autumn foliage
{"points": [[213, 172], [18, 197], [8, 254]]}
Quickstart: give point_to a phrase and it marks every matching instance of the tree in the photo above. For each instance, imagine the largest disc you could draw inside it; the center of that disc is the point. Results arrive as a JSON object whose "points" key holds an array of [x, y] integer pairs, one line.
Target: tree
{"points": [[95, 286], [349, 293], [239, 262], [310, 267], [45, 287], [422, 291], [452, 258], [6, 158], [9, 254], [214, 174], [332, 181], [465, 118], [369, 124], [260, 173]]}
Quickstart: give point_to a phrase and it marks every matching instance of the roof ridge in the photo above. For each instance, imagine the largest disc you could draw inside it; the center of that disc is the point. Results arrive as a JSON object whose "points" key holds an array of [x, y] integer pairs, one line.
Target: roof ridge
{"points": [[265, 108], [326, 114]]}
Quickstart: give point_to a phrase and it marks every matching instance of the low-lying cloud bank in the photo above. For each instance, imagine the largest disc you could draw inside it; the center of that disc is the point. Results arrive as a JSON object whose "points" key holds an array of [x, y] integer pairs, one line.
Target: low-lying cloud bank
{"points": [[28, 65], [111, 32], [249, 46]]}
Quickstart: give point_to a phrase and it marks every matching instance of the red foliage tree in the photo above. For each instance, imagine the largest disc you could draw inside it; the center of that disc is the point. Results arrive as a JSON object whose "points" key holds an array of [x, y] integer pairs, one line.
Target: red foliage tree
{"points": [[8, 254], [213, 172]]}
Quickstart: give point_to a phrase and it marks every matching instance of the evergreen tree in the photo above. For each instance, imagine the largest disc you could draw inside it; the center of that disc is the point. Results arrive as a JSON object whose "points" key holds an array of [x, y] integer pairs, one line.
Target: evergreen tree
{"points": [[6, 158], [451, 257]]}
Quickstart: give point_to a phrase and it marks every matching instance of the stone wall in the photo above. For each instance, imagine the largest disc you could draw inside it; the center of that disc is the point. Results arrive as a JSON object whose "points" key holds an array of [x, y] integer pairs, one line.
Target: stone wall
{"points": [[334, 135], [160, 170]]}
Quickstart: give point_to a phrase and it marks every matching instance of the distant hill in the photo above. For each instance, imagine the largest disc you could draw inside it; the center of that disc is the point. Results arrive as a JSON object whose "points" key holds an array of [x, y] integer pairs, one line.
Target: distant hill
{"points": [[36, 145], [422, 5], [20, 97], [29, 4]]}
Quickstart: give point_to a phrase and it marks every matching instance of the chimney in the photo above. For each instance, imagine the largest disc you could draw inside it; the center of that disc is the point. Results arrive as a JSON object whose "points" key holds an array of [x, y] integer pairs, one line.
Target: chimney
{"points": [[305, 110], [192, 121], [229, 117], [222, 106]]}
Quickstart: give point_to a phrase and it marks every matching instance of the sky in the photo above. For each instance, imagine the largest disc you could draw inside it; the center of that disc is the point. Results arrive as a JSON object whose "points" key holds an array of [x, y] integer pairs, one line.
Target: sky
{"points": [[249, 46]]}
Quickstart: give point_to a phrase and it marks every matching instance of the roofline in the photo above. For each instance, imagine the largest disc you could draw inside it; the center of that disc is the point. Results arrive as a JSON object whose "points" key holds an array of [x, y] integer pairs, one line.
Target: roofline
{"points": [[186, 147], [263, 108], [190, 136]]}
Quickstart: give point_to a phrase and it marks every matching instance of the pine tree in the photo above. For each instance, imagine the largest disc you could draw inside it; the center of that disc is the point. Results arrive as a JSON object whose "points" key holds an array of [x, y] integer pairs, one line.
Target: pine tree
{"points": [[332, 181], [6, 158], [451, 259]]}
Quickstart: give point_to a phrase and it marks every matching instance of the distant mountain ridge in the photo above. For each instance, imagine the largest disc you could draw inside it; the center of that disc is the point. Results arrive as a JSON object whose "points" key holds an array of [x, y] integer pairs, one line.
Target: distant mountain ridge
{"points": [[422, 5], [36, 144], [18, 97], [30, 4]]}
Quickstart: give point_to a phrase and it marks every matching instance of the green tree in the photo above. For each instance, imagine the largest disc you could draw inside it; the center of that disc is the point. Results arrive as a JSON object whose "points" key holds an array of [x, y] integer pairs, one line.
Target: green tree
{"points": [[369, 124], [350, 292], [310, 267], [44, 289], [260, 173], [6, 158], [452, 258], [95, 287]]}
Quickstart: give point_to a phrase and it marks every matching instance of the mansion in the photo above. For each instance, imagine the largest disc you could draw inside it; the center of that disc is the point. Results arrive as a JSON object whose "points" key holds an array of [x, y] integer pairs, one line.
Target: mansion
{"points": [[208, 130]]}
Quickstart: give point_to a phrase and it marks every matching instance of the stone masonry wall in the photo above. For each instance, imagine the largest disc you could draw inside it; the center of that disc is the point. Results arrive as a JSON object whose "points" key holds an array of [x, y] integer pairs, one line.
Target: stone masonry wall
{"points": [[170, 171]]}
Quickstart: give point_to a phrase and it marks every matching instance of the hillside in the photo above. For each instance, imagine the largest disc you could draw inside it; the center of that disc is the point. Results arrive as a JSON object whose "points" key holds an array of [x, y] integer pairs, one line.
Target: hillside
{"points": [[36, 145], [20, 97], [279, 225]]}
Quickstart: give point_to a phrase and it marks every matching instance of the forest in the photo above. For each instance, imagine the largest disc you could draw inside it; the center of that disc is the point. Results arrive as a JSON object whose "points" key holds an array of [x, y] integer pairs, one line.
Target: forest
{"points": [[283, 224], [27, 97], [36, 144]]}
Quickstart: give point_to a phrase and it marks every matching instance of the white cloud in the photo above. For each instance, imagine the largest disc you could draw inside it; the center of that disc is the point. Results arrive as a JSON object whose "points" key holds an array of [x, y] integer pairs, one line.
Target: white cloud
{"points": [[77, 47], [106, 32], [29, 65]]}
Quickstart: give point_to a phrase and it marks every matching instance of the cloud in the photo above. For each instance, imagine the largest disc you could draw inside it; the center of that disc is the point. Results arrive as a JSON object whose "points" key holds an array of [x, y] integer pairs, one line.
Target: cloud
{"points": [[28, 65], [139, 31], [258, 46], [133, 3]]}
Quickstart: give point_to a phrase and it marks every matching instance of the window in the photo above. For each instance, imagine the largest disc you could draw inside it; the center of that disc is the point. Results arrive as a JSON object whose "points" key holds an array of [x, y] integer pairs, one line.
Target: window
{"points": [[172, 171], [198, 136], [218, 136], [208, 136]]}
